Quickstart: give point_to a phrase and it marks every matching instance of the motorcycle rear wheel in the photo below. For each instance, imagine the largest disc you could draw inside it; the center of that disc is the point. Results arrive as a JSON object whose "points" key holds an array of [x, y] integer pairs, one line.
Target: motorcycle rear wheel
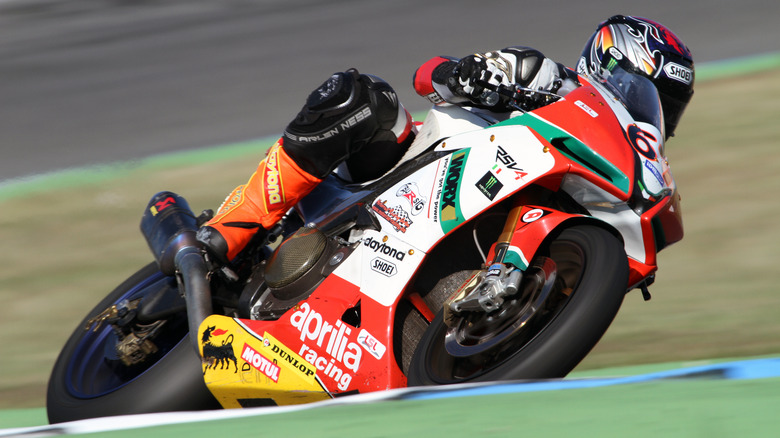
{"points": [[89, 380], [591, 276]]}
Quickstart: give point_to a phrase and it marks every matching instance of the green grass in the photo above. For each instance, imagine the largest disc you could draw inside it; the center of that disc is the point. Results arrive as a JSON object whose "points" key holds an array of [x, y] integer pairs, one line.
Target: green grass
{"points": [[70, 238]]}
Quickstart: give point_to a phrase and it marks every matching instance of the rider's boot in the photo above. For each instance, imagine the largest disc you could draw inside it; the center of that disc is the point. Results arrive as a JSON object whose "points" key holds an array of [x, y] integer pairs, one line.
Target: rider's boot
{"points": [[277, 185]]}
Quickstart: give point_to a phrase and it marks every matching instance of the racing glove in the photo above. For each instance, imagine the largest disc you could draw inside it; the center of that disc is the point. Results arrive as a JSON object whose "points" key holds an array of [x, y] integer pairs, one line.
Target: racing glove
{"points": [[472, 72]]}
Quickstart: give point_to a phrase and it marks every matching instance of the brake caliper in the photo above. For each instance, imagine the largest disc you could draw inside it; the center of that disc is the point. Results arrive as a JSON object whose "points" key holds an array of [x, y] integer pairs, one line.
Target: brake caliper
{"points": [[134, 344], [484, 291]]}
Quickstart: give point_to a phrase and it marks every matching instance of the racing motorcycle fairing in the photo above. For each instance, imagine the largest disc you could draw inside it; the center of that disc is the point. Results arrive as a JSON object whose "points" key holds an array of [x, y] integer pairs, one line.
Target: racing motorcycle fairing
{"points": [[461, 177], [343, 330], [381, 284], [588, 142]]}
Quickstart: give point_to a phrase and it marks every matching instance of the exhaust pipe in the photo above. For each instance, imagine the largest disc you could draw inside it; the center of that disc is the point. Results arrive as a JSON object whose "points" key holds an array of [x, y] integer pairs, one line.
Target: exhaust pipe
{"points": [[169, 227]]}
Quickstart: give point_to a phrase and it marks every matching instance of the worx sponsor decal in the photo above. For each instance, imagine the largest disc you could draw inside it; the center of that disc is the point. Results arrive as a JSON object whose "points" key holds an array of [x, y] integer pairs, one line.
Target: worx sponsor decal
{"points": [[450, 212]]}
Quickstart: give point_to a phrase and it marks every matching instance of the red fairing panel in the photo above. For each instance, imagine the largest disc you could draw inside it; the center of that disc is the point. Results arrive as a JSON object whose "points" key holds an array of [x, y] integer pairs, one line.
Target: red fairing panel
{"points": [[339, 349]]}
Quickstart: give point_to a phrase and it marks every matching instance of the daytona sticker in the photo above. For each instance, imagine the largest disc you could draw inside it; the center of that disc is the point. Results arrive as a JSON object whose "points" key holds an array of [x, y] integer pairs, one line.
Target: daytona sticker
{"points": [[232, 200]]}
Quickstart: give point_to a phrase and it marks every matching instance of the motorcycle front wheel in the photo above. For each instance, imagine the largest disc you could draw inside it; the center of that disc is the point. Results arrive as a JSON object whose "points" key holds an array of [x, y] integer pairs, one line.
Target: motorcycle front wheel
{"points": [[568, 298], [89, 379]]}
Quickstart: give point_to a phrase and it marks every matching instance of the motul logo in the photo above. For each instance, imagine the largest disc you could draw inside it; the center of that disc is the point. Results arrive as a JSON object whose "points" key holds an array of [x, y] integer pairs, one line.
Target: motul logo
{"points": [[260, 363]]}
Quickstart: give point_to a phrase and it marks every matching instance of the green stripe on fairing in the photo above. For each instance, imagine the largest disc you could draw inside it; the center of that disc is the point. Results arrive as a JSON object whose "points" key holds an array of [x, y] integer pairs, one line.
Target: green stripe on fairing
{"points": [[580, 152]]}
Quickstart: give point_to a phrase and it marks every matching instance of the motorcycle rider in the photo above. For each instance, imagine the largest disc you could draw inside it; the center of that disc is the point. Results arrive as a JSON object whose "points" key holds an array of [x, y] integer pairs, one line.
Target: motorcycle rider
{"points": [[354, 126]]}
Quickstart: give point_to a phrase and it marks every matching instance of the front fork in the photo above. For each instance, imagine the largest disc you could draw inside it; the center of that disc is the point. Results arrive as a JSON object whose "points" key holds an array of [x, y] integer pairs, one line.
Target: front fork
{"points": [[486, 289]]}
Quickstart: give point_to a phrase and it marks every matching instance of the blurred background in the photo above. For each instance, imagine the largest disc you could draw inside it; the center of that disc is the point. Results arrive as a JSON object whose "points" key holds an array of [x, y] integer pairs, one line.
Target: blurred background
{"points": [[98, 86], [94, 81]]}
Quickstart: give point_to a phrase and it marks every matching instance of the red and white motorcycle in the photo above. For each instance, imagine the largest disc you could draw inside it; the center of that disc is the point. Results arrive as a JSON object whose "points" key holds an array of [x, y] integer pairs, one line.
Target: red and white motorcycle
{"points": [[501, 250]]}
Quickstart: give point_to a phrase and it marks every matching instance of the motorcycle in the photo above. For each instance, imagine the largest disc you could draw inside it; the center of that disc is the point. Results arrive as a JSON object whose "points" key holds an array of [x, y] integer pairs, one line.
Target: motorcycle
{"points": [[500, 249]]}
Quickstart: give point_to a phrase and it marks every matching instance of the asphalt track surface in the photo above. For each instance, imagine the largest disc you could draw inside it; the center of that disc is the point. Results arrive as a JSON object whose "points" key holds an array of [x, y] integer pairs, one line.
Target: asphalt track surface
{"points": [[87, 82]]}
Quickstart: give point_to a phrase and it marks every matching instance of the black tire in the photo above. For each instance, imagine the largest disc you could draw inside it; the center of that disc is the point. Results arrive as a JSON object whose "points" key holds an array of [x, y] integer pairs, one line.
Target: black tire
{"points": [[592, 270], [88, 380]]}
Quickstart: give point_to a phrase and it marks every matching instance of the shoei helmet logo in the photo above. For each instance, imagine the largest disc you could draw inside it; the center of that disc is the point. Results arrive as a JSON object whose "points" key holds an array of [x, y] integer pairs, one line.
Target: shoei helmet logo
{"points": [[615, 53], [679, 73]]}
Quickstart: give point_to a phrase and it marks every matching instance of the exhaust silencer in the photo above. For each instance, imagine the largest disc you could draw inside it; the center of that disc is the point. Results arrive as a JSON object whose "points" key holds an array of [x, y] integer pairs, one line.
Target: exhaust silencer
{"points": [[169, 226]]}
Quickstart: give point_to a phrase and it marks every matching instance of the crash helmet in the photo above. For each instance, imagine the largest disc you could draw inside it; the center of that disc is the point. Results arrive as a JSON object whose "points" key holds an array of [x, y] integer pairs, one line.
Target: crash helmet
{"points": [[653, 51]]}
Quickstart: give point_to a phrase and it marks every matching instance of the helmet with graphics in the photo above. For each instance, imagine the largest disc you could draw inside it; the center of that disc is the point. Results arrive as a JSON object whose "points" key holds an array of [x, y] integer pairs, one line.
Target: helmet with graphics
{"points": [[654, 51]]}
